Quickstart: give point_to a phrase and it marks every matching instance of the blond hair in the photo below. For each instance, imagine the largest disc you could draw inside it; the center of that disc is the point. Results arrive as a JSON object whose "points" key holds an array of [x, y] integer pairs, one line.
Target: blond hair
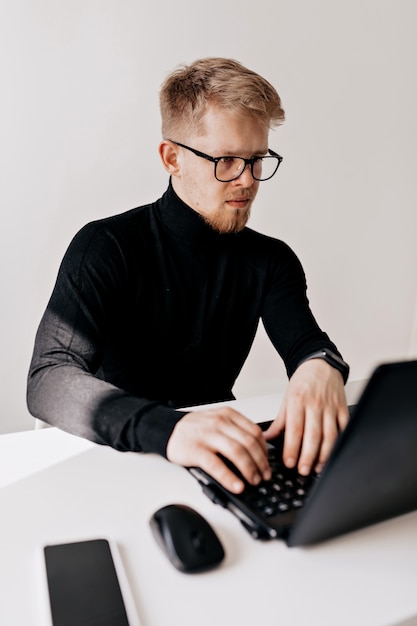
{"points": [[188, 90]]}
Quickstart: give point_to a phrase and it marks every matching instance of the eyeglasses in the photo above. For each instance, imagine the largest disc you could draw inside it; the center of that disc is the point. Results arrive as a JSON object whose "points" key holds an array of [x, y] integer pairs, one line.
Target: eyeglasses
{"points": [[228, 168]]}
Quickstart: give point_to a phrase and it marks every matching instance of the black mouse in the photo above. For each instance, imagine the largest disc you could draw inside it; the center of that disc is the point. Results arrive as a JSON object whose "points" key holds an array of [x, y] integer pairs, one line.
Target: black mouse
{"points": [[187, 538]]}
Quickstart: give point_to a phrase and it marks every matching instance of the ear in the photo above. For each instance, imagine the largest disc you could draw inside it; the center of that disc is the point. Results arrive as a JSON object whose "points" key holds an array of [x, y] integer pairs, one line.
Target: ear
{"points": [[169, 154]]}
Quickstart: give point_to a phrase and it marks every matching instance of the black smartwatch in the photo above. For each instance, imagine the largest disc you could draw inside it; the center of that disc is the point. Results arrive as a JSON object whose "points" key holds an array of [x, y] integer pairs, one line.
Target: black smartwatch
{"points": [[332, 359]]}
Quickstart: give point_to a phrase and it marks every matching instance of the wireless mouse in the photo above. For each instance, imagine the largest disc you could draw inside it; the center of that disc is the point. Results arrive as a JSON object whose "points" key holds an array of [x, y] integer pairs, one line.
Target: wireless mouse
{"points": [[187, 539]]}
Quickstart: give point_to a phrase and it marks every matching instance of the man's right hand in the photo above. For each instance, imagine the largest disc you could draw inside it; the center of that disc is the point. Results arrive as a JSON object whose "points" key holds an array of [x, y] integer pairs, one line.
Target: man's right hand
{"points": [[200, 436]]}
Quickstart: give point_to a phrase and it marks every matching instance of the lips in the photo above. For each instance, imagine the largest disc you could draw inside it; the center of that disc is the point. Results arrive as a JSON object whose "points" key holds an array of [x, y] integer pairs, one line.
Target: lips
{"points": [[238, 203]]}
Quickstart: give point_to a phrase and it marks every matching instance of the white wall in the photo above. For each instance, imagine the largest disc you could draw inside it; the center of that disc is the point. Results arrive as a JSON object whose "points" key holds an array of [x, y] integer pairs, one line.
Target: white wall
{"points": [[79, 128]]}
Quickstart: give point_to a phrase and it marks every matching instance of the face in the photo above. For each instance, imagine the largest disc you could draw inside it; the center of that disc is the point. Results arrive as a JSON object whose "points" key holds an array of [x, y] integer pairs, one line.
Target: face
{"points": [[225, 206]]}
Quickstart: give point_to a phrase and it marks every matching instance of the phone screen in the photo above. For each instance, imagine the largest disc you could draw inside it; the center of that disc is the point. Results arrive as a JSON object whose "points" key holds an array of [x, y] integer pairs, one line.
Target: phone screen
{"points": [[83, 585]]}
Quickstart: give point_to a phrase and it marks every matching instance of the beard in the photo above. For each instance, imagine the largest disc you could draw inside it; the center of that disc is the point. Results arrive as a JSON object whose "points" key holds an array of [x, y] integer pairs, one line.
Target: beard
{"points": [[228, 220]]}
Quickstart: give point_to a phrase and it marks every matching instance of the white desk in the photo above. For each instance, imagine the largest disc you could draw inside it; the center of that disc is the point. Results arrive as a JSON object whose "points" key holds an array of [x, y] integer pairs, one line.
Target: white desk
{"points": [[57, 488]]}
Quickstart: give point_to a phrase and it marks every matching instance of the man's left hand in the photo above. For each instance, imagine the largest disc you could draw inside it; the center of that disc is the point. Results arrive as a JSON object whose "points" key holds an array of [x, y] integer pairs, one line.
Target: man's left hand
{"points": [[313, 412]]}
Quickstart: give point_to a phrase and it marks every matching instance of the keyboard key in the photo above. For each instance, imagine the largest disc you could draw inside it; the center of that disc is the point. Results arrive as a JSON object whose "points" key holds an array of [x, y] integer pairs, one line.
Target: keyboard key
{"points": [[285, 491]]}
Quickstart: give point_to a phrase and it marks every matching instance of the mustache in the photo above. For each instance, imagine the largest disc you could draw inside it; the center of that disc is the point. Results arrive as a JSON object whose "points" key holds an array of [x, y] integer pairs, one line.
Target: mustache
{"points": [[243, 195]]}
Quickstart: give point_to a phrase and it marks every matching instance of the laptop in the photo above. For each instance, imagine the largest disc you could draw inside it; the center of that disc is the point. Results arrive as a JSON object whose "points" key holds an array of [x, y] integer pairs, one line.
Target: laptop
{"points": [[370, 476]]}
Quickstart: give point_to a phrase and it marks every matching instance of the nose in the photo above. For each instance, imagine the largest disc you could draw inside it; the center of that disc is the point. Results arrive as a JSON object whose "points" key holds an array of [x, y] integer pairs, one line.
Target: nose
{"points": [[246, 179]]}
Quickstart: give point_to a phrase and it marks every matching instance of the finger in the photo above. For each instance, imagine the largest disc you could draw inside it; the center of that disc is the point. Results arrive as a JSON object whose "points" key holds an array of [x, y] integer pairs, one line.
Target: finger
{"points": [[330, 434], [294, 431], [332, 426], [343, 417], [213, 465], [246, 448], [276, 427], [253, 435], [247, 453], [249, 427], [312, 441]]}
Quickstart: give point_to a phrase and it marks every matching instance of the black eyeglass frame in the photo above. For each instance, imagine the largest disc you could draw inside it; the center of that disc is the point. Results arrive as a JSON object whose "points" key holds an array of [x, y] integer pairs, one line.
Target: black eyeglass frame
{"points": [[251, 161]]}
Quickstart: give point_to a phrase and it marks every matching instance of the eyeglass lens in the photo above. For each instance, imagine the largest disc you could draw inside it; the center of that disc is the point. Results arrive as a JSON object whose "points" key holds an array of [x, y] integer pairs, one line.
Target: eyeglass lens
{"points": [[229, 168]]}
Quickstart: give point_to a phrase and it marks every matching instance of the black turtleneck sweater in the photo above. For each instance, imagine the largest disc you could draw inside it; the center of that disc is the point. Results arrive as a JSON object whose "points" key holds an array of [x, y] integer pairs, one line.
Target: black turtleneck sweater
{"points": [[153, 310]]}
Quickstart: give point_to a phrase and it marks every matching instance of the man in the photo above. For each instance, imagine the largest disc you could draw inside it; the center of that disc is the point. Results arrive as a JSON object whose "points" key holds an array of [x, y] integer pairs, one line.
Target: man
{"points": [[157, 308]]}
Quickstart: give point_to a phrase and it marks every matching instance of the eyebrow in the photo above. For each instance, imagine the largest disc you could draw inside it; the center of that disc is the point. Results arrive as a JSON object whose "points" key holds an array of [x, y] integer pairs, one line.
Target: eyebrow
{"points": [[230, 153]]}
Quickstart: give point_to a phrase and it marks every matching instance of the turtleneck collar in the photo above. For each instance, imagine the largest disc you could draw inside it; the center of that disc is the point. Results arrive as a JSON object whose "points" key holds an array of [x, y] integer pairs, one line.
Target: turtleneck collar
{"points": [[184, 222]]}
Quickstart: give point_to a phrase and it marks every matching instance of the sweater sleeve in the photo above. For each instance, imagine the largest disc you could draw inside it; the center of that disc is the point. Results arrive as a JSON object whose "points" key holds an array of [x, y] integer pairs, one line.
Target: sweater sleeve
{"points": [[286, 314], [64, 384]]}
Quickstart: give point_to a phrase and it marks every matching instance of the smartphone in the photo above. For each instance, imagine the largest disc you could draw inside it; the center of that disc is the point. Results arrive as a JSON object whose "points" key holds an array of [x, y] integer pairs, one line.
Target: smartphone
{"points": [[83, 583]]}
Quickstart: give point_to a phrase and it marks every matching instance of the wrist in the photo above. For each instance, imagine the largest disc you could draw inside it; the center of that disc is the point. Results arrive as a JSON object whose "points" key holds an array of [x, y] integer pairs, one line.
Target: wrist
{"points": [[331, 358]]}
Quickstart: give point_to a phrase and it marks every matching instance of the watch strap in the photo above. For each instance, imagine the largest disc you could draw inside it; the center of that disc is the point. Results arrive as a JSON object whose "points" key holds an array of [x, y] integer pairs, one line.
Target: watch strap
{"points": [[331, 358]]}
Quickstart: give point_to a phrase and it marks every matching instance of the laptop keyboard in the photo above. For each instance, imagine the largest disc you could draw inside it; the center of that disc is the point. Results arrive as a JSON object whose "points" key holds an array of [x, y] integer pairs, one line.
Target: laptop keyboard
{"points": [[286, 491]]}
